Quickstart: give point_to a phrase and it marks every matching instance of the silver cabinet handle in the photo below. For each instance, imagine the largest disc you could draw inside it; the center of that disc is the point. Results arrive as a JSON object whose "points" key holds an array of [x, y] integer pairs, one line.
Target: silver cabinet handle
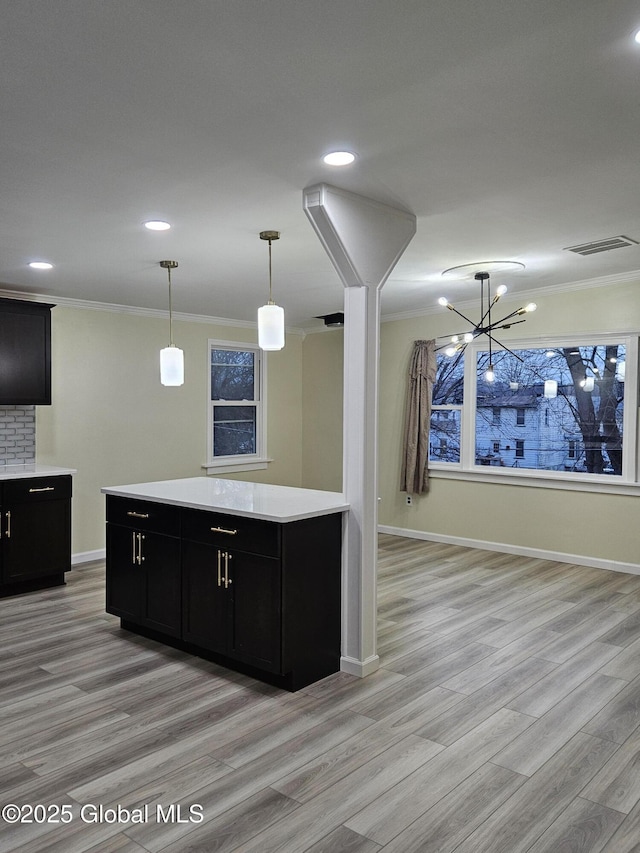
{"points": [[43, 489], [227, 579], [223, 530], [8, 530], [219, 568], [138, 514], [140, 541], [134, 553]]}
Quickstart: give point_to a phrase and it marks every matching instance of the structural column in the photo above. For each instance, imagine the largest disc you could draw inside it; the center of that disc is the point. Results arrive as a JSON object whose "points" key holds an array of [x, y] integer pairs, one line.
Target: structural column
{"points": [[364, 240]]}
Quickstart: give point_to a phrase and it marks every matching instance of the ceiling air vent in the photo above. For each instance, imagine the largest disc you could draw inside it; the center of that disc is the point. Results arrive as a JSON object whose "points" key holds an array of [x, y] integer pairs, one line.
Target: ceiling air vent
{"points": [[602, 245]]}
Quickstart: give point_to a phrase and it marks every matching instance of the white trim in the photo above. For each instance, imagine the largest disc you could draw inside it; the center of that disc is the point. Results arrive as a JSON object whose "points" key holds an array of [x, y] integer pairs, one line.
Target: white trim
{"points": [[156, 313], [88, 557], [521, 551], [524, 295], [361, 668], [602, 484], [234, 467]]}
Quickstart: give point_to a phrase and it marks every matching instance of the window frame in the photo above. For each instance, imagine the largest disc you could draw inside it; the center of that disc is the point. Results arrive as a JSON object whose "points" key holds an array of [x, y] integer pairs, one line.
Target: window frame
{"points": [[241, 461], [467, 468]]}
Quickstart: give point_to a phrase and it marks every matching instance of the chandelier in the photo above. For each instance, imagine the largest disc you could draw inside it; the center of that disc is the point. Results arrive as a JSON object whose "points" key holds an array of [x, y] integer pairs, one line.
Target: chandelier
{"points": [[487, 324]]}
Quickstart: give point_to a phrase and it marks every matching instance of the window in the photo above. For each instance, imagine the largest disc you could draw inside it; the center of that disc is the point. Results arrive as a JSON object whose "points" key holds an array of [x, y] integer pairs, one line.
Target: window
{"points": [[446, 411], [236, 401], [572, 402]]}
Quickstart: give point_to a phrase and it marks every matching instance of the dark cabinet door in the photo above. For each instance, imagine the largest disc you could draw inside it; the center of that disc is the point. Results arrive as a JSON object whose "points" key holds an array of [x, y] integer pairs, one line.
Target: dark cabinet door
{"points": [[36, 539], [205, 611], [254, 600], [143, 578], [231, 603]]}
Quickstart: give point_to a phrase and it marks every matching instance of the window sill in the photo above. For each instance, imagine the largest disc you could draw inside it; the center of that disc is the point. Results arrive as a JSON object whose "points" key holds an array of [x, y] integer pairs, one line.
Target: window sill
{"points": [[539, 480], [233, 467]]}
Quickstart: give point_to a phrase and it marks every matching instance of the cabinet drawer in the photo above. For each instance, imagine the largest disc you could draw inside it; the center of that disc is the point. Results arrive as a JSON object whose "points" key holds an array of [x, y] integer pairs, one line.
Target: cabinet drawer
{"points": [[37, 489], [144, 515], [232, 531]]}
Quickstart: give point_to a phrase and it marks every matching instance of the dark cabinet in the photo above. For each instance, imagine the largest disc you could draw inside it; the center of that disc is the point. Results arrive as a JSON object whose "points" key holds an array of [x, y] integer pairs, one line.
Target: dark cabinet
{"points": [[236, 560], [258, 596], [143, 565], [35, 532], [231, 603], [25, 353]]}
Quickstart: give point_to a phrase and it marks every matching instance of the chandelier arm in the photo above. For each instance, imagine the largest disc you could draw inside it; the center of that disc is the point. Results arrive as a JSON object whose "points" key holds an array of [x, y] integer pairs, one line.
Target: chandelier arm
{"points": [[504, 347], [460, 314], [506, 326]]}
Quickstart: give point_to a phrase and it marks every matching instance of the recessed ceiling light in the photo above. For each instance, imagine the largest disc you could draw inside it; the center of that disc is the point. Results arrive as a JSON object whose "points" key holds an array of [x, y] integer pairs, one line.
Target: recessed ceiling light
{"points": [[637, 37], [157, 225], [339, 158], [41, 265]]}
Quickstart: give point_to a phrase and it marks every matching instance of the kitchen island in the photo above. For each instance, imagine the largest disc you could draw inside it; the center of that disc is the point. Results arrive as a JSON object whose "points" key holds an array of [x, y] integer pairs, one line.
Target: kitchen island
{"points": [[35, 527], [244, 574]]}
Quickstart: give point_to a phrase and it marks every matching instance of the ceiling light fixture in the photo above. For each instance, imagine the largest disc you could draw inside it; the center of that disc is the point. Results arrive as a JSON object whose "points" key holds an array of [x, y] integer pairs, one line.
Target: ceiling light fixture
{"points": [[41, 265], [339, 158], [171, 357], [270, 316], [486, 325], [157, 225]]}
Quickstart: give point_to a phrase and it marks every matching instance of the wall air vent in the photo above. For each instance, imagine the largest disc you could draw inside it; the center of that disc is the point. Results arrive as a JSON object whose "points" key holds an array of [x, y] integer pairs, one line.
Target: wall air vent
{"points": [[602, 245]]}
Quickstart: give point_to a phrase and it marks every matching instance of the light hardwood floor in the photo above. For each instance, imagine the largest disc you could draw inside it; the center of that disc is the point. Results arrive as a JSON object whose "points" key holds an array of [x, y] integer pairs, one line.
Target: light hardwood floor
{"points": [[505, 718]]}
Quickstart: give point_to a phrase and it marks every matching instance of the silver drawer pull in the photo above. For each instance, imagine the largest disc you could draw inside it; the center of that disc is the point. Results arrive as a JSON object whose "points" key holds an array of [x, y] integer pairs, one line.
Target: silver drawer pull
{"points": [[223, 530], [44, 489], [138, 514]]}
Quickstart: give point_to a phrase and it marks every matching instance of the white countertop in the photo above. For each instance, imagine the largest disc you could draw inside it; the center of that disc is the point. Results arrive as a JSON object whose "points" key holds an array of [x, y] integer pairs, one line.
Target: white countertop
{"points": [[32, 469], [235, 497]]}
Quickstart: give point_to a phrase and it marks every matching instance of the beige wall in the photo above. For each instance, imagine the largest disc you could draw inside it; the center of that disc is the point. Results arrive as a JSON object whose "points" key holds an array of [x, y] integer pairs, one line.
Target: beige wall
{"points": [[587, 524], [114, 422], [322, 410]]}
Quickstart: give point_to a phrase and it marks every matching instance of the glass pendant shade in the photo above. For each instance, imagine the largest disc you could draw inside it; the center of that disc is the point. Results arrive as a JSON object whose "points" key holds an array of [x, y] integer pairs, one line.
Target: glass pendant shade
{"points": [[271, 327], [172, 366], [550, 389]]}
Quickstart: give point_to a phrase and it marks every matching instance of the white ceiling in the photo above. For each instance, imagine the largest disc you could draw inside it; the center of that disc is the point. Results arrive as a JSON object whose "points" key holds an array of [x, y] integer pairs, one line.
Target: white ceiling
{"points": [[510, 128]]}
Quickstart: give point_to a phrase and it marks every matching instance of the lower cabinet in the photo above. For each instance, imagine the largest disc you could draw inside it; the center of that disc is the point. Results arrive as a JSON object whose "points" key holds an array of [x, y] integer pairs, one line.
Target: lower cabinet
{"points": [[35, 532], [143, 567], [231, 603], [257, 596]]}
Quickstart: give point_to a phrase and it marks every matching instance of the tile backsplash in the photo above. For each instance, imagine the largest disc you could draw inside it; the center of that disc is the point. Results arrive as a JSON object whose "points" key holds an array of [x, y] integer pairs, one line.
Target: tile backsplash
{"points": [[17, 435]]}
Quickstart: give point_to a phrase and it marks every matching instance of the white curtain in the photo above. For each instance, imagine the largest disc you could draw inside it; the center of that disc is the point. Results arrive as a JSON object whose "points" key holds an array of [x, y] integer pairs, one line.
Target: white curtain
{"points": [[415, 451]]}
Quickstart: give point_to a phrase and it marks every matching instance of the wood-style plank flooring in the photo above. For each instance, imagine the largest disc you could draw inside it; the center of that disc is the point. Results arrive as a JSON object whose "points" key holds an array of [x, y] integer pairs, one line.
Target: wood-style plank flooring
{"points": [[505, 718]]}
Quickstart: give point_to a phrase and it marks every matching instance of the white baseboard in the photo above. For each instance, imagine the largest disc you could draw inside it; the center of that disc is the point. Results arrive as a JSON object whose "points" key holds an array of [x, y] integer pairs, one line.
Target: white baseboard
{"points": [[361, 668], [88, 557], [521, 551]]}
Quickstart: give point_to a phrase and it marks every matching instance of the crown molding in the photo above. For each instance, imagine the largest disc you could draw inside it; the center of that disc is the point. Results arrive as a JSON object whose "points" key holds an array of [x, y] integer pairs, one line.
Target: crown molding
{"points": [[523, 295], [154, 313]]}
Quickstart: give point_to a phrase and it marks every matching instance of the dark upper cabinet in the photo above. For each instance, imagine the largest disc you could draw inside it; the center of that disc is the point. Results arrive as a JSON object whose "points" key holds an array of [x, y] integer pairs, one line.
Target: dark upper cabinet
{"points": [[25, 353]]}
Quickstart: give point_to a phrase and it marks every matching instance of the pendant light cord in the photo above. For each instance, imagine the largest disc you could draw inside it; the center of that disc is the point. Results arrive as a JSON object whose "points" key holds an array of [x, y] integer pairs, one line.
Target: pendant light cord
{"points": [[270, 279], [170, 310]]}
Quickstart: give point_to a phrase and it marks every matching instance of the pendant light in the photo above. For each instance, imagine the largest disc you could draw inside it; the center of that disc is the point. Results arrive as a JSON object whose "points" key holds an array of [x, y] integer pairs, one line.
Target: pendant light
{"points": [[270, 316], [171, 357]]}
